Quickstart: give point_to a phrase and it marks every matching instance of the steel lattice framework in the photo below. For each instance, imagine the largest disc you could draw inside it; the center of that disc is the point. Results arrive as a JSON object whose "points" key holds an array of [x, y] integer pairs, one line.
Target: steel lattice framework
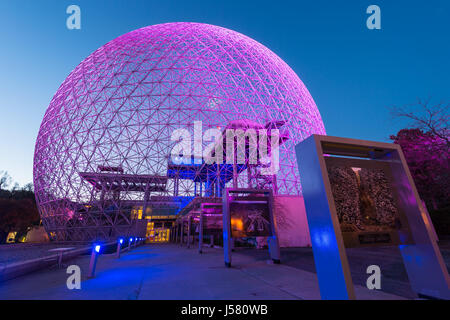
{"points": [[102, 151]]}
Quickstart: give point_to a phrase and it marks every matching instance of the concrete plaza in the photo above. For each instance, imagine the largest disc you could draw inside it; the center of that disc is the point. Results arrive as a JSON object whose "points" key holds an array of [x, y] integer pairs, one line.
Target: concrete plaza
{"points": [[168, 271]]}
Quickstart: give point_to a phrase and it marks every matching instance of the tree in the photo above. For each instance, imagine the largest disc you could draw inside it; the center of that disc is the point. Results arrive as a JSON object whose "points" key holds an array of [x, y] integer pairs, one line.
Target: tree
{"points": [[18, 210], [428, 118], [426, 145], [17, 215], [5, 179], [28, 187], [428, 160], [26, 192]]}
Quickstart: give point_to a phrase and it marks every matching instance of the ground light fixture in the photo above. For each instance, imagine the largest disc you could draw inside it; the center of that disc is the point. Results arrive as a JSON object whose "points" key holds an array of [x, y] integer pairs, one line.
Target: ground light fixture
{"points": [[119, 246], [94, 257], [129, 243]]}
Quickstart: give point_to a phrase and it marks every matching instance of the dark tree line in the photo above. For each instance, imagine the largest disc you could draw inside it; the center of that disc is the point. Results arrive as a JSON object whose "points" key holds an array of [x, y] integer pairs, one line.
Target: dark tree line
{"points": [[18, 211]]}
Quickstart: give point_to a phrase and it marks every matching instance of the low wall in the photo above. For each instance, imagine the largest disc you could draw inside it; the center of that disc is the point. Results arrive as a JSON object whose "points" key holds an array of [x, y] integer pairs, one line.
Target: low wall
{"points": [[17, 269]]}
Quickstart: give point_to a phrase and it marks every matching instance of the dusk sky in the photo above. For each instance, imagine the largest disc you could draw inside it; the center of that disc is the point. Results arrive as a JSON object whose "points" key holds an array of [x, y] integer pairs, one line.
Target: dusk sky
{"points": [[354, 74]]}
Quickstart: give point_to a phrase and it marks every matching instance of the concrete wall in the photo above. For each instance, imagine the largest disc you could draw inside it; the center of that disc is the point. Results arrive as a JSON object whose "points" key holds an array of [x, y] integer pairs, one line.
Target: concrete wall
{"points": [[292, 225]]}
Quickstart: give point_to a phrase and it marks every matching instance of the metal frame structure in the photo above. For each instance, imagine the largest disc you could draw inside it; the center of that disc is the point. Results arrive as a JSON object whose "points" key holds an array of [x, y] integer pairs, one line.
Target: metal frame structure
{"points": [[423, 261], [118, 108], [207, 209], [248, 196]]}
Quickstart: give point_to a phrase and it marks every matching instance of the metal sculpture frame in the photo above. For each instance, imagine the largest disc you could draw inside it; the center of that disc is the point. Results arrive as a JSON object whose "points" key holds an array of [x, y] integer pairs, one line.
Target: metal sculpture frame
{"points": [[263, 195], [423, 261], [201, 231]]}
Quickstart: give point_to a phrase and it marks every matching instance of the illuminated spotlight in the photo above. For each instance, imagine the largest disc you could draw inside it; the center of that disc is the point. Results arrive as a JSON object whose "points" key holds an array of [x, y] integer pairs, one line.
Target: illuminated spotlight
{"points": [[94, 257], [119, 246]]}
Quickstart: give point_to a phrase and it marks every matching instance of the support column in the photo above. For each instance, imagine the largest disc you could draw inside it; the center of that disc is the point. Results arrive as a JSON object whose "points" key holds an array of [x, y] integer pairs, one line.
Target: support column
{"points": [[189, 223], [200, 233], [176, 232], [182, 232], [146, 197]]}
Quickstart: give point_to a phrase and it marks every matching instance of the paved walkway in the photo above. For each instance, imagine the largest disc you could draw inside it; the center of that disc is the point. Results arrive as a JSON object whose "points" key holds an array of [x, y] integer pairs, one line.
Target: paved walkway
{"points": [[168, 271]]}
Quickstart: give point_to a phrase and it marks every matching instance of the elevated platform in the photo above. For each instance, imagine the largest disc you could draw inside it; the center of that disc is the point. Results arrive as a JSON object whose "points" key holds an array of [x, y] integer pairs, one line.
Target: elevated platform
{"points": [[125, 182]]}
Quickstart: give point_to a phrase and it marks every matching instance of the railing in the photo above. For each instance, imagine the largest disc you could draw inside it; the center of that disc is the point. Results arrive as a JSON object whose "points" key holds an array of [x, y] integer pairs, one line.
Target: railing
{"points": [[17, 269]]}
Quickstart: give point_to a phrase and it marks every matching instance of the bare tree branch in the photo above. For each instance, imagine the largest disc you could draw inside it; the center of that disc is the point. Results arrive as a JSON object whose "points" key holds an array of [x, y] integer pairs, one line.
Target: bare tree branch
{"points": [[427, 117]]}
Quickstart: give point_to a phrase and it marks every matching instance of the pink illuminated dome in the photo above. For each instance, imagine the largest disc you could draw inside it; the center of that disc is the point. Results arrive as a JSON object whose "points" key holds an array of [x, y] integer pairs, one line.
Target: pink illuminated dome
{"points": [[104, 142]]}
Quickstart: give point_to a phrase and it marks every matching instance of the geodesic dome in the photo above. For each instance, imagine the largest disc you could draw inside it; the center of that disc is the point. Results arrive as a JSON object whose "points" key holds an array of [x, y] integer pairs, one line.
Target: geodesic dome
{"points": [[116, 111]]}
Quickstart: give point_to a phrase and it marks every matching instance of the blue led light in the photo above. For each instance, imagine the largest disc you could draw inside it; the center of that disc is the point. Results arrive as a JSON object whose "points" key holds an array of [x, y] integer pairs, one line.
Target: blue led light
{"points": [[120, 240], [97, 248], [131, 239]]}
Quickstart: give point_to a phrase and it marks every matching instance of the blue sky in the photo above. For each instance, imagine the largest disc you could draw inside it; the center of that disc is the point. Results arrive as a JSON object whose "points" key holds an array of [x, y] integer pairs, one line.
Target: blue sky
{"points": [[354, 74]]}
